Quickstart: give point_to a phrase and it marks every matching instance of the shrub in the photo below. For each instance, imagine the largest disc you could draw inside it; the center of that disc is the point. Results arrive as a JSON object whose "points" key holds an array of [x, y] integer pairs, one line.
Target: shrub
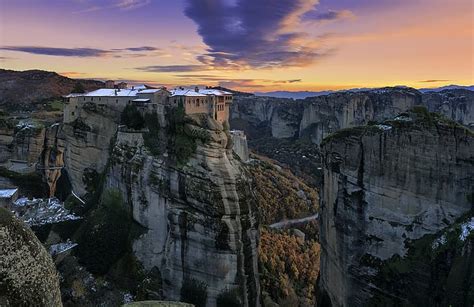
{"points": [[194, 292], [132, 118], [78, 88], [229, 298], [105, 236], [181, 145]]}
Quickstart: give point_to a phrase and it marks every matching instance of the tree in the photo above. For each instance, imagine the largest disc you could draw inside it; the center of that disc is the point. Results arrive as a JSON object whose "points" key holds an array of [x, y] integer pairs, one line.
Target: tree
{"points": [[79, 88], [132, 118]]}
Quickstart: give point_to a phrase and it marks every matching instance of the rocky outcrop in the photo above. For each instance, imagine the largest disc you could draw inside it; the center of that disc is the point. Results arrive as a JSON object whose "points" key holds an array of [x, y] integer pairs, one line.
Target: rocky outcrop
{"points": [[324, 115], [456, 104], [386, 188], [239, 144], [86, 144], [317, 117], [27, 273], [200, 217]]}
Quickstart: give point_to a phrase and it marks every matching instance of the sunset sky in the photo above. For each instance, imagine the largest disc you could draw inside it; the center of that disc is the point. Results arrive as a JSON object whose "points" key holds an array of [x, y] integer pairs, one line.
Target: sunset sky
{"points": [[252, 45]]}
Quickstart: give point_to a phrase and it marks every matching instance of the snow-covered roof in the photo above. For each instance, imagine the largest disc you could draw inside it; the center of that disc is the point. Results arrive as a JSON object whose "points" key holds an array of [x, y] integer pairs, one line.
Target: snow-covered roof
{"points": [[186, 92], [141, 100], [73, 95], [214, 92], [150, 91], [110, 92], [7, 193]]}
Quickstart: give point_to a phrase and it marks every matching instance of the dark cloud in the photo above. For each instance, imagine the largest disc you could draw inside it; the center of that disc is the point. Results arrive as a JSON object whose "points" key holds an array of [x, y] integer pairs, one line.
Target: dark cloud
{"points": [[67, 52], [294, 81], [327, 16], [173, 68], [254, 33], [140, 49], [81, 52], [434, 81]]}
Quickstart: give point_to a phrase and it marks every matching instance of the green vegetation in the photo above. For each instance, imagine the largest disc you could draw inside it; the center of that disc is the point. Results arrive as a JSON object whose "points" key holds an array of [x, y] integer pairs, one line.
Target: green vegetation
{"points": [[78, 88], [132, 118], [194, 292], [350, 132], [106, 235], [152, 137], [181, 145], [437, 271], [54, 105], [229, 298]]}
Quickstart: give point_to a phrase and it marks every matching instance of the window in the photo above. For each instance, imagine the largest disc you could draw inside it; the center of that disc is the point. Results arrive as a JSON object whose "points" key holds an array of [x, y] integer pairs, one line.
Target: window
{"points": [[99, 98], [92, 99], [116, 101], [84, 98], [72, 113]]}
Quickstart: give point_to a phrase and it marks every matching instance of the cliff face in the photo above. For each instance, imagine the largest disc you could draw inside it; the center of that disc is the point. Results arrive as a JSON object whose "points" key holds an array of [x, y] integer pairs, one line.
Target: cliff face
{"points": [[200, 218], [455, 104], [326, 114], [317, 117], [86, 145], [386, 187]]}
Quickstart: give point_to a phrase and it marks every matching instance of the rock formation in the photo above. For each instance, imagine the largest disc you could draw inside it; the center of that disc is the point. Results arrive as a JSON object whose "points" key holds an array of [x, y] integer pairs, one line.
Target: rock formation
{"points": [[388, 189], [317, 117], [457, 104], [27, 273], [200, 217]]}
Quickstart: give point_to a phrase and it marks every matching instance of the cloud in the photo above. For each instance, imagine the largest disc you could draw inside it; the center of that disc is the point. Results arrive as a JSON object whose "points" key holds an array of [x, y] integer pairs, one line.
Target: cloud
{"points": [[434, 81], [84, 52], [330, 15], [255, 33], [173, 68], [71, 74], [131, 4], [125, 5]]}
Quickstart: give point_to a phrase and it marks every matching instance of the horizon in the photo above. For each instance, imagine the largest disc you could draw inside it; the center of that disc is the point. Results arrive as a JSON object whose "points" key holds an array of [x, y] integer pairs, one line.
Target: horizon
{"points": [[297, 45]]}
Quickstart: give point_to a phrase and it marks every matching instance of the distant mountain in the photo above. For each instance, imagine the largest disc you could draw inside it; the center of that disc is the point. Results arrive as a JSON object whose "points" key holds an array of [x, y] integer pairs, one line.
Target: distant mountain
{"points": [[306, 94], [21, 90], [448, 87], [293, 95]]}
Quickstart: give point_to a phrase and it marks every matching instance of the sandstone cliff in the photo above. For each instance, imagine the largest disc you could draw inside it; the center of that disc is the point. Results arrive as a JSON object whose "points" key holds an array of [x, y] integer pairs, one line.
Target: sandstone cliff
{"points": [[317, 117], [27, 273], [457, 104], [386, 188], [200, 216]]}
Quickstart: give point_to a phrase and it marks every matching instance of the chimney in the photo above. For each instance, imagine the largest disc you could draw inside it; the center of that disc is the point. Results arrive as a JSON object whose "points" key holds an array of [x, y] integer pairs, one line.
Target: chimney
{"points": [[196, 89]]}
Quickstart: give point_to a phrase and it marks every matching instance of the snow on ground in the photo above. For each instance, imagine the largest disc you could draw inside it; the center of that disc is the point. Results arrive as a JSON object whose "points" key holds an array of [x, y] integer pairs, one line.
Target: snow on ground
{"points": [[466, 229], [384, 127], [59, 248], [37, 212]]}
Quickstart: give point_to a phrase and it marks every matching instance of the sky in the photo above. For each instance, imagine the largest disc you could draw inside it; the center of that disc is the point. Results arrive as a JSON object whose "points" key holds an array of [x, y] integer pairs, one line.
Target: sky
{"points": [[250, 45]]}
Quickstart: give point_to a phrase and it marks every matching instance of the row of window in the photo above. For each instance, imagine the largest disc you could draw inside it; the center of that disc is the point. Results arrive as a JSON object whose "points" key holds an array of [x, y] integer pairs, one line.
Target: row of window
{"points": [[220, 107]]}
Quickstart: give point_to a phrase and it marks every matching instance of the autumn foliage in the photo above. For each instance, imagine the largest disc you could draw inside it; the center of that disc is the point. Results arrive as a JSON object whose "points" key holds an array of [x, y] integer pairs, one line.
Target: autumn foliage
{"points": [[289, 268]]}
